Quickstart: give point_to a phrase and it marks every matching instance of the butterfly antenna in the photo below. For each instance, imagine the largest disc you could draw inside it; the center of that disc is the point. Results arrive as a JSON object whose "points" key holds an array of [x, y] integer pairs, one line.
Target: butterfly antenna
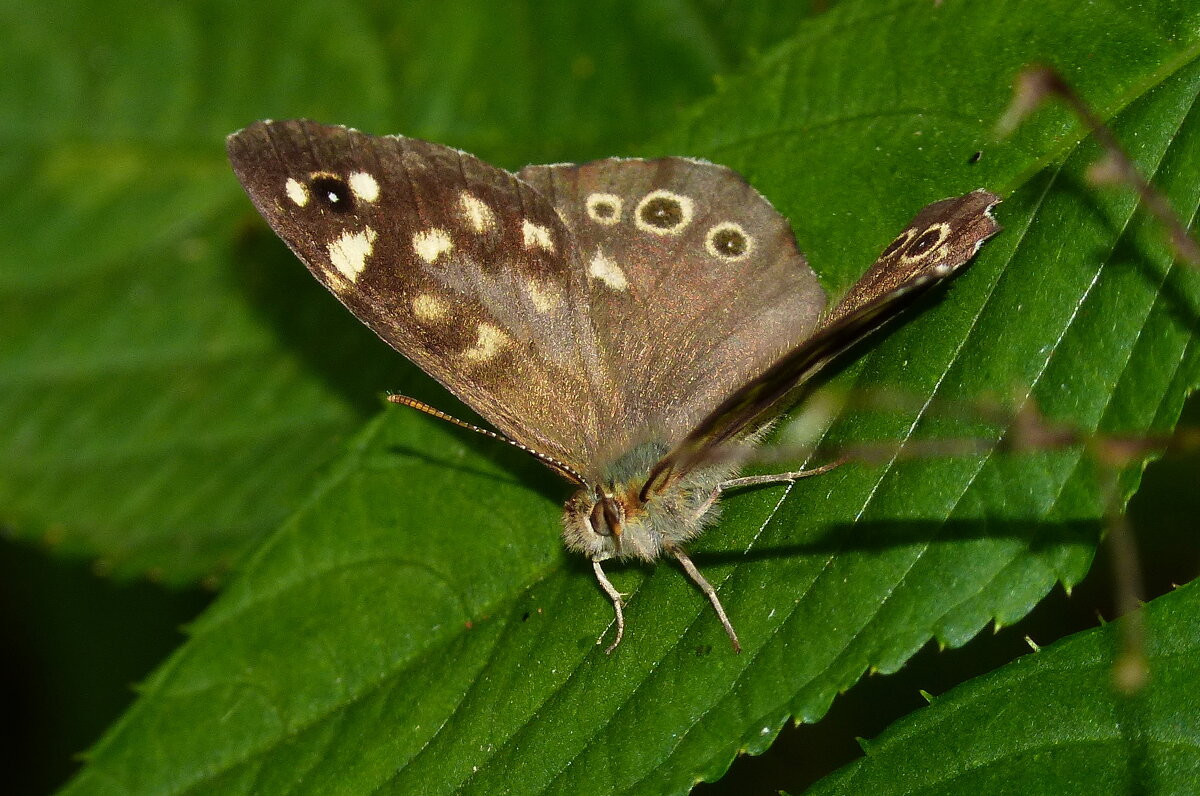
{"points": [[562, 469]]}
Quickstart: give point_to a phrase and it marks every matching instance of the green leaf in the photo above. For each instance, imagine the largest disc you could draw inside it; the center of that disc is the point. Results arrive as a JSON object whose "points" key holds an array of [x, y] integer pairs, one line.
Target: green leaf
{"points": [[170, 380], [1051, 722], [416, 627]]}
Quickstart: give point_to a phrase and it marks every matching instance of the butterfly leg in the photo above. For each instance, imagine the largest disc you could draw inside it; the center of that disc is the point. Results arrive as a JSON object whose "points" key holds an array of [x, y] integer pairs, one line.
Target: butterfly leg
{"points": [[777, 478], [709, 592], [616, 598]]}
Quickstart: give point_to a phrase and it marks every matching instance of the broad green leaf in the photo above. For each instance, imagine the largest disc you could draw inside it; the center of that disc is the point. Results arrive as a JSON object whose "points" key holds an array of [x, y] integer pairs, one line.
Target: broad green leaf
{"points": [[416, 628], [1051, 722], [170, 380]]}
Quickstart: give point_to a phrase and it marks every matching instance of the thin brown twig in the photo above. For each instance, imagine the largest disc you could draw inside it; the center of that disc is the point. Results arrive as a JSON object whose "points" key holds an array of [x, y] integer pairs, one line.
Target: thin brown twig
{"points": [[1037, 83]]}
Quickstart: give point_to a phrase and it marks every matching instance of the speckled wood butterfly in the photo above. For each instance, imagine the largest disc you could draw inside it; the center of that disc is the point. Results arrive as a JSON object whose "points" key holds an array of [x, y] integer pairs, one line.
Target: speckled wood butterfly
{"points": [[632, 323]]}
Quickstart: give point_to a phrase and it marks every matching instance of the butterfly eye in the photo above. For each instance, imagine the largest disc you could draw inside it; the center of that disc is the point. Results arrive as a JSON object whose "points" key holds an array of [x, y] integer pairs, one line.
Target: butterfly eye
{"points": [[928, 239], [606, 517], [332, 192], [596, 520], [728, 241], [664, 213]]}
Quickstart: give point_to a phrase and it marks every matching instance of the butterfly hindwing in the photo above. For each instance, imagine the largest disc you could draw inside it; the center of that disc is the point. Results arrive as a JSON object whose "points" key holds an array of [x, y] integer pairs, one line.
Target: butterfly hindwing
{"points": [[695, 284]]}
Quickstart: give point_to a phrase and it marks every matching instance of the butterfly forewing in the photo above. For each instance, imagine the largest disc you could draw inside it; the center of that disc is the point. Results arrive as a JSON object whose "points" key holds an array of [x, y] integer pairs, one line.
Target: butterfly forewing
{"points": [[940, 240], [695, 285], [936, 244], [457, 264]]}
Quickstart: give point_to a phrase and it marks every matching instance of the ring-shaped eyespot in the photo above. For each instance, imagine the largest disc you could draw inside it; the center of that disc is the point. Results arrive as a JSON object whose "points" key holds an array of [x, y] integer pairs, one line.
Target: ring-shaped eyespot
{"points": [[604, 208], [663, 212], [932, 237], [728, 241]]}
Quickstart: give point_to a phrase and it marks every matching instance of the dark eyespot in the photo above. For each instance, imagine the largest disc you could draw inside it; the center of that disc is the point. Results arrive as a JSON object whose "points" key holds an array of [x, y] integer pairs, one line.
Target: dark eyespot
{"points": [[604, 208], [333, 193], [729, 242], [895, 245], [925, 241], [662, 212]]}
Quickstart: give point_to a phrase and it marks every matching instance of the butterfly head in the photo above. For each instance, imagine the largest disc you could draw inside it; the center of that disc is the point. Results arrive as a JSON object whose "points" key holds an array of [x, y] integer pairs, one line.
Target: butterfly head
{"points": [[629, 515]]}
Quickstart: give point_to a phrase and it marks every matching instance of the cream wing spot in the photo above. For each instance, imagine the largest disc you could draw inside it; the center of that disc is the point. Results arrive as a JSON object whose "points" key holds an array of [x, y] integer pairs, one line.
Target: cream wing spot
{"points": [[475, 210], [489, 342], [364, 186], [604, 208], [428, 307], [603, 268], [535, 235], [430, 244], [350, 251], [296, 192], [542, 297]]}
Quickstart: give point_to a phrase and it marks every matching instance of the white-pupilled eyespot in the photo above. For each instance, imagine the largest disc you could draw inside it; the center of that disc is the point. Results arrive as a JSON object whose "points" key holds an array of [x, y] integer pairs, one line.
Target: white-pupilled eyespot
{"points": [[664, 212], [331, 192], [933, 236], [728, 241]]}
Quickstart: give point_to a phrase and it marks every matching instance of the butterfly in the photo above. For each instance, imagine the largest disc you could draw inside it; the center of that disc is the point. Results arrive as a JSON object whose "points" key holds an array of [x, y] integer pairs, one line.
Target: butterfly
{"points": [[634, 324]]}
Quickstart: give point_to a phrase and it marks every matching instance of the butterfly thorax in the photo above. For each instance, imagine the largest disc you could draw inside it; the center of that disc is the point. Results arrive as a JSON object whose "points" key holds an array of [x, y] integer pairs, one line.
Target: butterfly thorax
{"points": [[619, 517]]}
